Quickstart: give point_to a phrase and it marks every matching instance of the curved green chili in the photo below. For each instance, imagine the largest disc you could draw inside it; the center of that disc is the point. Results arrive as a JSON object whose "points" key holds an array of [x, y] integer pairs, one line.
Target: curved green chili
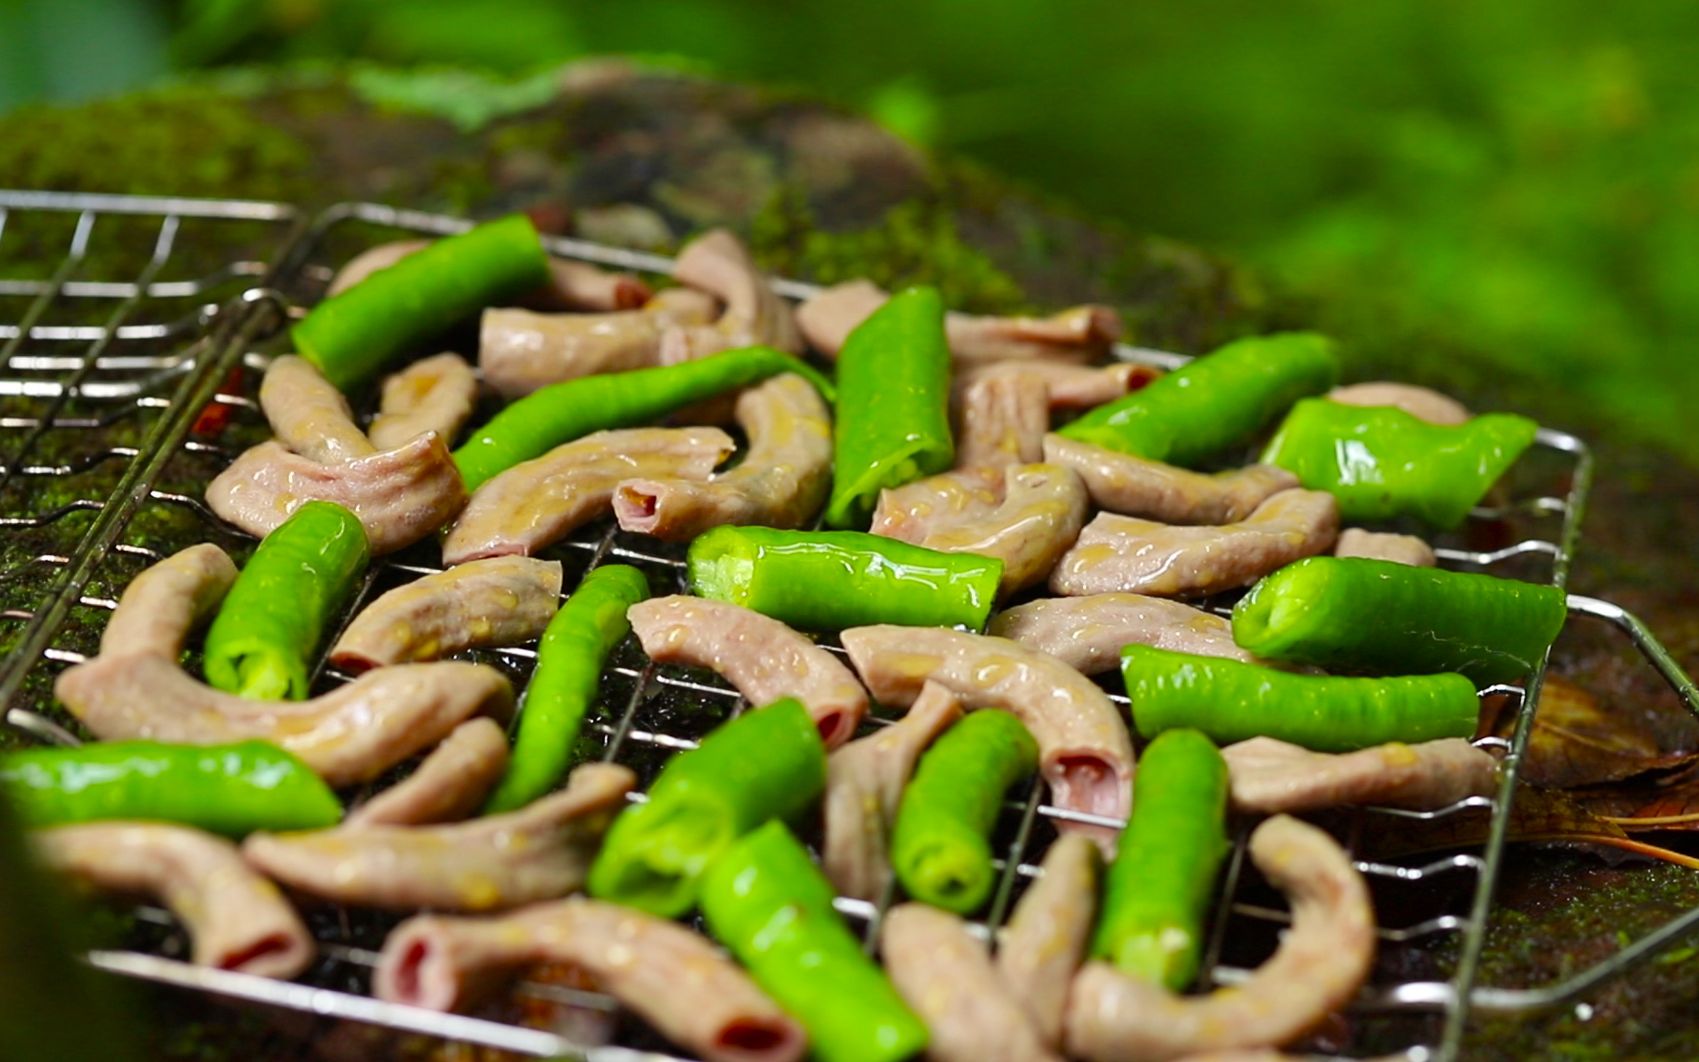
{"points": [[1232, 701], [1353, 613], [1215, 402], [571, 409], [1381, 462], [765, 764], [892, 424], [830, 580], [767, 902], [350, 336], [569, 669], [1158, 890], [940, 843], [272, 619], [229, 789]]}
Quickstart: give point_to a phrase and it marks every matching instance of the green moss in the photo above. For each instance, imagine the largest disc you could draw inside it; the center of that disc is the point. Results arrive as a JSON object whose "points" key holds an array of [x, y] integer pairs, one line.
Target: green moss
{"points": [[466, 98]]}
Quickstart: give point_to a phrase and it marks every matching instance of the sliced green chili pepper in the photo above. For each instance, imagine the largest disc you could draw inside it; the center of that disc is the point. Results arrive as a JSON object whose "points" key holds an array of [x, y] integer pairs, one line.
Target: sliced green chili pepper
{"points": [[1232, 701], [940, 844], [1381, 462], [767, 902], [765, 764], [1217, 401], [1158, 889], [569, 670], [830, 580], [892, 423], [228, 789], [272, 619], [352, 335], [571, 409], [1353, 613]]}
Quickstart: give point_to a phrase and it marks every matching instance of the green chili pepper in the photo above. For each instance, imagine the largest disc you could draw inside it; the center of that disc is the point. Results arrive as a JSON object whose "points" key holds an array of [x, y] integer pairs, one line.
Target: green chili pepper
{"points": [[1215, 402], [892, 424], [765, 764], [1352, 613], [1381, 462], [271, 621], [1232, 701], [830, 580], [571, 409], [569, 670], [767, 902], [940, 844], [352, 335], [228, 789], [1158, 889]]}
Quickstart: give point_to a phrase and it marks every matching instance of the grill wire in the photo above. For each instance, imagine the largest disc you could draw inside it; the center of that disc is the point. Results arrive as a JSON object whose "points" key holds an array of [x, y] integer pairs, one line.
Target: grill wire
{"points": [[120, 399]]}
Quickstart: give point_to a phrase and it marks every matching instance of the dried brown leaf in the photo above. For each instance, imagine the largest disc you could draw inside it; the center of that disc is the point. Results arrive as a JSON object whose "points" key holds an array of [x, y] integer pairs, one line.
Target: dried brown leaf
{"points": [[1579, 740]]}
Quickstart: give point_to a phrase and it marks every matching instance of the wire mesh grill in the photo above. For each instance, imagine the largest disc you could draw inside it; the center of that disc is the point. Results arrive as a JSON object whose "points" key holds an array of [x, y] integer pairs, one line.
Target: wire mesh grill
{"points": [[120, 399]]}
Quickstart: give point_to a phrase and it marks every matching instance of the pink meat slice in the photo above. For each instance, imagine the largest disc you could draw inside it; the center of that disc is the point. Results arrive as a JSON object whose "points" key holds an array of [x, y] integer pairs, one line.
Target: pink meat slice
{"points": [[1088, 633], [864, 785], [944, 973], [718, 263], [1085, 753], [236, 919], [671, 977], [434, 394], [168, 600], [1133, 486], [1267, 776], [1001, 421], [781, 482], [1066, 385], [448, 786], [489, 602], [1046, 938], [1420, 402], [572, 285], [309, 415], [520, 351], [1322, 960], [1377, 545], [539, 852], [400, 495], [764, 659], [1125, 554], [538, 502]]}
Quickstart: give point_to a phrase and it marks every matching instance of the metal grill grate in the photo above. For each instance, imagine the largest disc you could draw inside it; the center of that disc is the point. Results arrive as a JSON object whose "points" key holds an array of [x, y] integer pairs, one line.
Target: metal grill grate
{"points": [[122, 397]]}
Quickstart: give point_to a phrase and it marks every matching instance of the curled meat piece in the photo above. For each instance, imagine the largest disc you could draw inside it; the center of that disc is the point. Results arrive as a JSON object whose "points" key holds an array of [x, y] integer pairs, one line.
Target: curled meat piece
{"points": [[1266, 776], [1066, 385], [781, 482], [1079, 334], [670, 976], [1047, 936], [1421, 402], [309, 415], [1002, 421], [944, 973], [763, 658], [864, 785], [1084, 752], [1037, 516], [1377, 545], [432, 394], [540, 852], [236, 919], [1088, 633], [400, 495], [165, 602], [572, 285], [1133, 486], [520, 351], [1320, 963], [494, 601], [538, 502], [450, 785], [718, 263], [1122, 553]]}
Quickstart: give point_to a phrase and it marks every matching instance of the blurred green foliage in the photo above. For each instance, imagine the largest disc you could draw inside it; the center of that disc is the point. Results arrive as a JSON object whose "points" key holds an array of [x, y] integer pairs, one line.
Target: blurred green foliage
{"points": [[1515, 176]]}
